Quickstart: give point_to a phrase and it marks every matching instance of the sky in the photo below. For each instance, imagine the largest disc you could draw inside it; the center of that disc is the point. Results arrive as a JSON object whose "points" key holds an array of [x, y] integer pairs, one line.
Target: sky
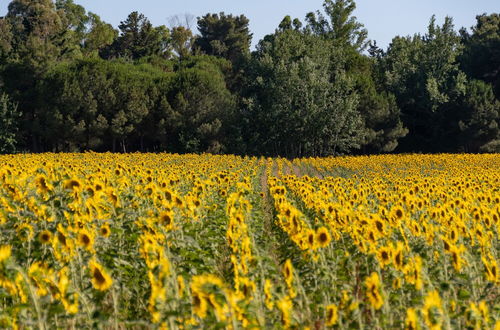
{"points": [[383, 19]]}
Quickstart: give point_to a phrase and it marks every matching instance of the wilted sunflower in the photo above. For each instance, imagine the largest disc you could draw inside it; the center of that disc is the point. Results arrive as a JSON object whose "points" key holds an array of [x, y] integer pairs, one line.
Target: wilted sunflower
{"points": [[100, 278]]}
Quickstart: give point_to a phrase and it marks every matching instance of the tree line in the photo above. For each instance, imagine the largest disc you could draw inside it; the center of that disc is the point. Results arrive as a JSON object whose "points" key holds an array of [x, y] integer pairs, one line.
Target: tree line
{"points": [[71, 82]]}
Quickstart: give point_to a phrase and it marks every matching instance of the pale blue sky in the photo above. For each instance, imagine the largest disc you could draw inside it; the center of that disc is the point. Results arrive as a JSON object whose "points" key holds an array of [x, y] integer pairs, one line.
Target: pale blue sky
{"points": [[384, 19]]}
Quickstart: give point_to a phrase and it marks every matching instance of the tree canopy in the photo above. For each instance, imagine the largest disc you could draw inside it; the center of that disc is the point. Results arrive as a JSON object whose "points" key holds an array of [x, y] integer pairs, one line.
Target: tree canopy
{"points": [[69, 81]]}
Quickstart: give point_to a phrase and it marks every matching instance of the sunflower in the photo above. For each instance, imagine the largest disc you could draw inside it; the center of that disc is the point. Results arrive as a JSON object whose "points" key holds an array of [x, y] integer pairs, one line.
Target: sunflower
{"points": [[45, 237], [288, 271], [456, 254], [373, 290], [411, 319], [73, 184], [491, 269], [384, 256], [85, 239], [199, 304], [5, 252], [42, 185], [100, 278], [397, 214], [268, 294], [25, 232], [181, 286], [331, 315], [432, 310], [323, 237], [285, 305], [311, 241], [105, 230], [166, 219], [397, 254]]}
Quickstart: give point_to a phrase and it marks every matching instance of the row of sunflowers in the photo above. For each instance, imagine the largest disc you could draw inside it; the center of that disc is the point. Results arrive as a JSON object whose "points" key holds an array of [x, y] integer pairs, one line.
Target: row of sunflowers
{"points": [[207, 241]]}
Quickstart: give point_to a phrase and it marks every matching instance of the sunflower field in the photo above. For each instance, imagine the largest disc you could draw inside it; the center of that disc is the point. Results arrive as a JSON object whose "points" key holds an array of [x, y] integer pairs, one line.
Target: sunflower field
{"points": [[204, 241]]}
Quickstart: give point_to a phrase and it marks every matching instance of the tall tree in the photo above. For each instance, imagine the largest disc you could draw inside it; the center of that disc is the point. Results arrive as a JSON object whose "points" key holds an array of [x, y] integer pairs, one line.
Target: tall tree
{"points": [[481, 58], [301, 102], [98, 35], [5, 40], [9, 124], [224, 35], [38, 32], [203, 105], [383, 127], [139, 38], [183, 41], [423, 73], [479, 119], [338, 25]]}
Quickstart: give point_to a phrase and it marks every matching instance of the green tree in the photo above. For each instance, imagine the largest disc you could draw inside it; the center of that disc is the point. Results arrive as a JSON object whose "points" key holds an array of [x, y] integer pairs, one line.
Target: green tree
{"points": [[383, 127], [9, 124], [183, 41], [96, 104], [481, 58], [139, 38], [202, 104], [479, 122], [5, 40], [300, 101], [224, 35], [423, 74], [38, 32], [338, 25], [98, 36]]}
